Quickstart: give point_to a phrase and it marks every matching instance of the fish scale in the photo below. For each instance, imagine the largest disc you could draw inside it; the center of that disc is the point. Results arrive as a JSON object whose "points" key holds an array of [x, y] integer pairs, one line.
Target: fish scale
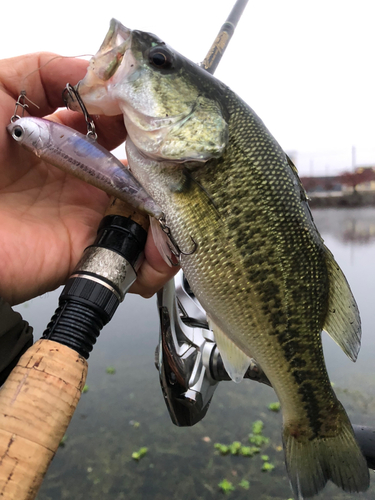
{"points": [[268, 275], [260, 268]]}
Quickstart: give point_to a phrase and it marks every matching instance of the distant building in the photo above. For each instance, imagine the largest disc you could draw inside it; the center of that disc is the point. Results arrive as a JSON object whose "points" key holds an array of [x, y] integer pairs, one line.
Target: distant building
{"points": [[317, 185], [361, 180], [366, 177]]}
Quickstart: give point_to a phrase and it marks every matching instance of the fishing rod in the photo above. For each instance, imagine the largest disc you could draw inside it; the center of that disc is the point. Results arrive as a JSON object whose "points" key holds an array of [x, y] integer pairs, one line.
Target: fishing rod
{"points": [[214, 55], [40, 395]]}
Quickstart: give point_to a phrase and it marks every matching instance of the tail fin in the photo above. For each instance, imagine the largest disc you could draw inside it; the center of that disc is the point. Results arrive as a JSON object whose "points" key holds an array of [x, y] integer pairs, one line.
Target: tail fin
{"points": [[311, 463]]}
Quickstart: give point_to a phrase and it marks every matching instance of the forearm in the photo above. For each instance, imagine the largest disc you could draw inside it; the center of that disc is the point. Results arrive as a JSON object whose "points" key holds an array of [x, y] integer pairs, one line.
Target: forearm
{"points": [[15, 338]]}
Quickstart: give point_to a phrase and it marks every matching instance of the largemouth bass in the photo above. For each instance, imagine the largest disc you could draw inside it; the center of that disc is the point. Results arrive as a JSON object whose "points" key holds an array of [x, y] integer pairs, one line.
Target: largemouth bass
{"points": [[252, 253]]}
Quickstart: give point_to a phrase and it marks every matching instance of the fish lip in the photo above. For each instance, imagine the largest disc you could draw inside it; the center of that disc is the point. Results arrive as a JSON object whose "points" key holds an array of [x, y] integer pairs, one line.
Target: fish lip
{"points": [[116, 30], [111, 54], [103, 66]]}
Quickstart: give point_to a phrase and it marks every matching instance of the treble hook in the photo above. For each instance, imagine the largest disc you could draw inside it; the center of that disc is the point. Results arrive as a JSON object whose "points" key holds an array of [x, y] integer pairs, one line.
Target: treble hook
{"points": [[21, 102], [175, 249], [73, 93]]}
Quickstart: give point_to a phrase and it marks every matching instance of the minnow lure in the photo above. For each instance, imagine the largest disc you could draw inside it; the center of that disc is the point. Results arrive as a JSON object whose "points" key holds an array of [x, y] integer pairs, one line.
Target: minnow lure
{"points": [[81, 156]]}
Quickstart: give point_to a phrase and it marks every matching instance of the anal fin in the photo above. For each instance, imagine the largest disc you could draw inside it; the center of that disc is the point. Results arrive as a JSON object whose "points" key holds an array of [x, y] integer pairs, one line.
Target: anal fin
{"points": [[342, 322], [236, 362]]}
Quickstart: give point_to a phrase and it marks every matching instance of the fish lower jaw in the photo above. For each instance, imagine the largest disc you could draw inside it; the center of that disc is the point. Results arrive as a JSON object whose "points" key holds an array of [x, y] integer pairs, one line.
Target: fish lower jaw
{"points": [[105, 107], [98, 101], [149, 156], [146, 121]]}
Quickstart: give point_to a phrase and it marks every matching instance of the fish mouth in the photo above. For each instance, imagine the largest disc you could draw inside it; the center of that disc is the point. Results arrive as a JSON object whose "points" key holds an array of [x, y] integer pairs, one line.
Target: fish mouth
{"points": [[109, 57], [115, 37], [103, 66]]}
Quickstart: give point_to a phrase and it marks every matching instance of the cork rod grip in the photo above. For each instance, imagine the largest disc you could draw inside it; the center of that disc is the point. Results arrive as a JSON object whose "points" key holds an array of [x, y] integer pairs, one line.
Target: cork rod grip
{"points": [[37, 403]]}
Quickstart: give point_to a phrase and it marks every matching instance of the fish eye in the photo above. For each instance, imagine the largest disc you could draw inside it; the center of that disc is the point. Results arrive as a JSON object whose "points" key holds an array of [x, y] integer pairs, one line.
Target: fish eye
{"points": [[160, 58], [17, 133]]}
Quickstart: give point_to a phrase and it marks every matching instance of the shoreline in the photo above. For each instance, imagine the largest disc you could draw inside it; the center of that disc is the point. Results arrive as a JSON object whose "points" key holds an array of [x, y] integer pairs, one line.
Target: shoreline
{"points": [[351, 200]]}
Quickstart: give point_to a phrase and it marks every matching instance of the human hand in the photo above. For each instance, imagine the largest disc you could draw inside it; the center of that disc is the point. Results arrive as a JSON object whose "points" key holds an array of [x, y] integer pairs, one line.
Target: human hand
{"points": [[48, 217]]}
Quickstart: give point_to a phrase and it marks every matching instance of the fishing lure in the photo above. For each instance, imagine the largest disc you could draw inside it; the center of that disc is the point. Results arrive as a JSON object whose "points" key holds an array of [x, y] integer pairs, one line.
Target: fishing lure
{"points": [[82, 156]]}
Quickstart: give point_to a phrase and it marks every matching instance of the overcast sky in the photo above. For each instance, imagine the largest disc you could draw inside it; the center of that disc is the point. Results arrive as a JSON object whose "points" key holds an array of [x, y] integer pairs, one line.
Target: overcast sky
{"points": [[305, 67]]}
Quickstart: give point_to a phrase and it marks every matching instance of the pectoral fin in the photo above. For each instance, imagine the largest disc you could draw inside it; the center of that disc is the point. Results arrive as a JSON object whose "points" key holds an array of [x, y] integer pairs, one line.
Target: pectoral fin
{"points": [[342, 322], [236, 362]]}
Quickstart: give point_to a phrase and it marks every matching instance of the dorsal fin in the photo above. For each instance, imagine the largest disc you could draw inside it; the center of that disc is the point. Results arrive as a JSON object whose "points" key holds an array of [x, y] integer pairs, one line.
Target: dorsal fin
{"points": [[342, 322]]}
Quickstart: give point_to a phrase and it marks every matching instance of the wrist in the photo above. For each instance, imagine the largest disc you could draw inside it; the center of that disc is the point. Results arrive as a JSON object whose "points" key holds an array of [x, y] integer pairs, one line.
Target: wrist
{"points": [[15, 338]]}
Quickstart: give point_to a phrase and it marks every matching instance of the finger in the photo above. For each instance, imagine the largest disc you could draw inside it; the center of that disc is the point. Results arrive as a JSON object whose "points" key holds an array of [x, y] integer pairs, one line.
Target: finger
{"points": [[154, 272], [41, 86], [43, 76], [110, 129]]}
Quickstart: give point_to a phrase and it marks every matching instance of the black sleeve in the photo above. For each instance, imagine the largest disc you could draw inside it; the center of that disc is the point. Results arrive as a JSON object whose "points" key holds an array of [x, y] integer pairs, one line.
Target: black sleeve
{"points": [[15, 338]]}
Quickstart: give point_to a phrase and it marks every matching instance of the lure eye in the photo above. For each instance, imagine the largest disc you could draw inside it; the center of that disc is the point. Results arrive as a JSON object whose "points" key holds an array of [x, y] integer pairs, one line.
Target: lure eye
{"points": [[17, 133], [160, 58]]}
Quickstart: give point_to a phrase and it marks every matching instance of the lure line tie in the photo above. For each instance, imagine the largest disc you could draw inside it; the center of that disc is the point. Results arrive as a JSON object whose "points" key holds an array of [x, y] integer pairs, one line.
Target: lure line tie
{"points": [[21, 103]]}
